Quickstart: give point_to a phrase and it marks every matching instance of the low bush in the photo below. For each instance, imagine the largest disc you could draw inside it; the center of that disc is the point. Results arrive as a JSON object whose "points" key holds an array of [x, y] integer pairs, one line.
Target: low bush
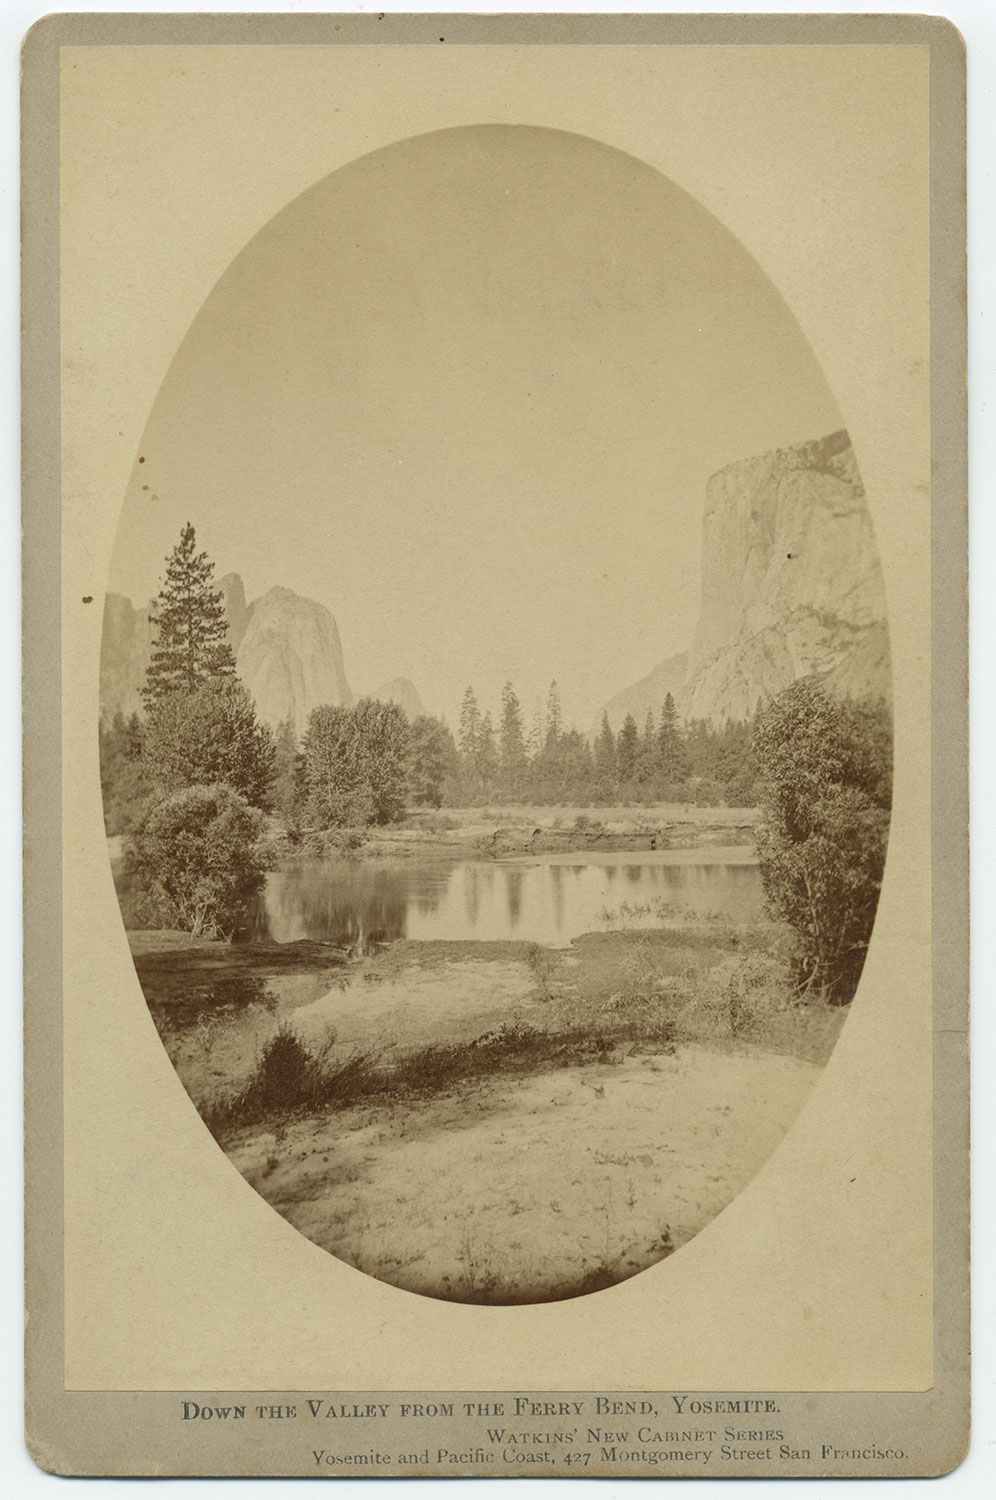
{"points": [[331, 843], [290, 1076], [198, 860]]}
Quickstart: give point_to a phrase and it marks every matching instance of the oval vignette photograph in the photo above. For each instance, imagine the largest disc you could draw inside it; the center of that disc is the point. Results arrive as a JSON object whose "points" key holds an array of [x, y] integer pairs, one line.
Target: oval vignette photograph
{"points": [[495, 715]]}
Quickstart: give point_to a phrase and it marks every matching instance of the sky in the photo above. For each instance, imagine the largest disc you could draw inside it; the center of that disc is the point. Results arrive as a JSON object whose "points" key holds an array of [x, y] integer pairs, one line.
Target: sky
{"points": [[467, 392]]}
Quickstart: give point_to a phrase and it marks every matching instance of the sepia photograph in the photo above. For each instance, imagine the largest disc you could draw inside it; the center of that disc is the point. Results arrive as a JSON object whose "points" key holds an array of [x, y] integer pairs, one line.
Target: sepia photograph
{"points": [[495, 716], [495, 727]]}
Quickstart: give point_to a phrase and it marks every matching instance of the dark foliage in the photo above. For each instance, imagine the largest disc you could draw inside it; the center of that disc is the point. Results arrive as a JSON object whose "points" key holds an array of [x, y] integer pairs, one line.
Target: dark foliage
{"points": [[206, 735], [191, 644], [123, 781], [356, 764], [826, 774], [198, 858]]}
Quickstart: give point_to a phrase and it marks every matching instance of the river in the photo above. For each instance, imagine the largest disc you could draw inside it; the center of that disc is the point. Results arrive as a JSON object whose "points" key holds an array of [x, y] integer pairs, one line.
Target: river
{"points": [[549, 899]]}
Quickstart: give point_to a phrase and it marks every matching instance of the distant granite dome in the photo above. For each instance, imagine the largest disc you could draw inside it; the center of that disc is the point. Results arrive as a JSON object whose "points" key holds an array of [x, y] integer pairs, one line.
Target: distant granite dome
{"points": [[401, 690], [290, 658], [791, 583]]}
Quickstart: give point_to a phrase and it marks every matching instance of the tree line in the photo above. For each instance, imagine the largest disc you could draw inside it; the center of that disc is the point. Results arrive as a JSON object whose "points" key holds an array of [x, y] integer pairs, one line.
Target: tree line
{"points": [[196, 784], [662, 761]]}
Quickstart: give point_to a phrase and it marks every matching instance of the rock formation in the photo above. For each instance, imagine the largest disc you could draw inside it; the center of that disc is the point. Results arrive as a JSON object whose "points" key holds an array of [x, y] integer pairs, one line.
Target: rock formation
{"points": [[791, 586], [125, 651], [236, 611], [791, 582], [290, 658], [401, 690], [649, 693], [287, 653]]}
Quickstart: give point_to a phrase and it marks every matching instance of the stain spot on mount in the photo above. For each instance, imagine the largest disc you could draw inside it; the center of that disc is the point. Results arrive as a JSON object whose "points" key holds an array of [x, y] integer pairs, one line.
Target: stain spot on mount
{"points": [[87, 598]]}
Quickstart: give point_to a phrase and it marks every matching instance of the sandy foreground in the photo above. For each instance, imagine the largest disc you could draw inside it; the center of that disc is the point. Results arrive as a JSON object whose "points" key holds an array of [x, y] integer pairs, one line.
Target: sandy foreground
{"points": [[530, 1189]]}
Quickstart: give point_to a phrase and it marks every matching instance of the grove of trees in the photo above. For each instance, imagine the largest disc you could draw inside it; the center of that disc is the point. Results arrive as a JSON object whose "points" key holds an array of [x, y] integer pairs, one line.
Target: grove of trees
{"points": [[189, 785], [196, 784], [661, 761]]}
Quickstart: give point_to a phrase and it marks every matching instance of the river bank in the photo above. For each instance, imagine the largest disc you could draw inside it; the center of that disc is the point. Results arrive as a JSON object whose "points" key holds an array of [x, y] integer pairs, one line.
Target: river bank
{"points": [[503, 1122], [530, 1188], [452, 1104], [504, 832]]}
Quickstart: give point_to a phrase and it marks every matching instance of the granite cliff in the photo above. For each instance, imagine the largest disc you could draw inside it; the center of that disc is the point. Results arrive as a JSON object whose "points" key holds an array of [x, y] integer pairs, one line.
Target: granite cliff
{"points": [[236, 609], [290, 658], [124, 655], [287, 652], [791, 587], [791, 582]]}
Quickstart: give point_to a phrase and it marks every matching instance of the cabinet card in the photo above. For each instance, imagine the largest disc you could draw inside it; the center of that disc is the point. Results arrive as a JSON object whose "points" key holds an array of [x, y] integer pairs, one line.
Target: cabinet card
{"points": [[495, 728]]}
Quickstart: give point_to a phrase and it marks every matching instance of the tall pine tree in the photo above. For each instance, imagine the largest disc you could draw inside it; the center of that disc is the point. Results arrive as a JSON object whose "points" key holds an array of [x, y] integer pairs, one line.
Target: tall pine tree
{"points": [[605, 757], [470, 728], [554, 716], [487, 764], [673, 757], [512, 742], [189, 615], [626, 748]]}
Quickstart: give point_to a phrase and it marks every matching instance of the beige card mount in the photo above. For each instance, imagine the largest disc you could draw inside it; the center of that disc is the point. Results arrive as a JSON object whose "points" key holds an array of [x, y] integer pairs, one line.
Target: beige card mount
{"points": [[495, 730]]}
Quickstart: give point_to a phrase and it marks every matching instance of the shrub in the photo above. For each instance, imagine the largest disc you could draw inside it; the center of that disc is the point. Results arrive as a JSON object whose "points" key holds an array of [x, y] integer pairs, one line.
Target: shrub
{"points": [[826, 781], [199, 857], [754, 986], [292, 1075], [330, 843]]}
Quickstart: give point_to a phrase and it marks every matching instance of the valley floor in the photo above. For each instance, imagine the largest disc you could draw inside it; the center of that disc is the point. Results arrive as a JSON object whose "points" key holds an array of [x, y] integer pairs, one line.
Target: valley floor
{"points": [[500, 1121], [535, 1188], [504, 1123]]}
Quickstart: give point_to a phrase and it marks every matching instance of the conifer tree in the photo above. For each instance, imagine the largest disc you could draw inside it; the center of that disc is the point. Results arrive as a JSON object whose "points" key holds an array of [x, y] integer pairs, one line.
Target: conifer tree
{"points": [[512, 742], [647, 760], [470, 728], [535, 746], [673, 757], [487, 764], [605, 755], [189, 615], [626, 748], [554, 715]]}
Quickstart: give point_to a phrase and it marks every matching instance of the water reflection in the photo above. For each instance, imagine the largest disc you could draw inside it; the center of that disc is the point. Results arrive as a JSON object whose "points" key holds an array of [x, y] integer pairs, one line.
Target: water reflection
{"points": [[547, 900], [345, 901], [214, 1024], [180, 1002], [557, 894], [513, 894]]}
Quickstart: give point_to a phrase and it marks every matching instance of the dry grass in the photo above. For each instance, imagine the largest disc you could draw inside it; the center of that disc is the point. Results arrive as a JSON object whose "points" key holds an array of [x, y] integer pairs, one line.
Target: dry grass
{"points": [[613, 995]]}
